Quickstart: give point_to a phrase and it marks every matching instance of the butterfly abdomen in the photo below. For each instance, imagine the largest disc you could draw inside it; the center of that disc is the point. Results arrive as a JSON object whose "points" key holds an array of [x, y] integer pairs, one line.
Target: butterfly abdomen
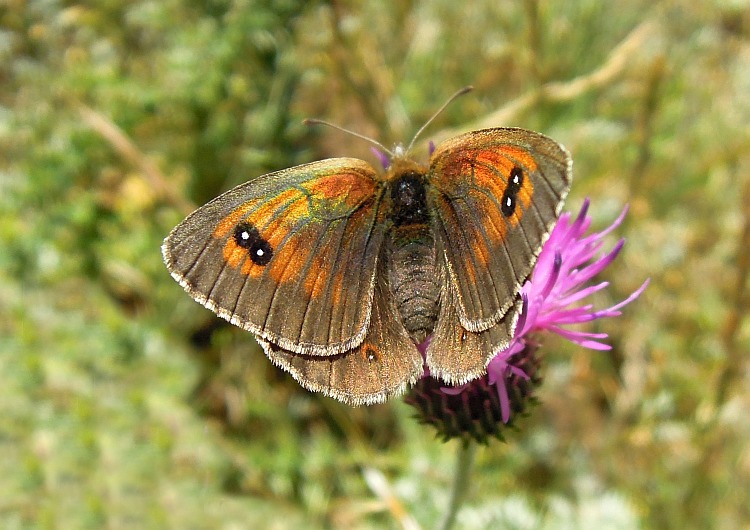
{"points": [[412, 278], [410, 251]]}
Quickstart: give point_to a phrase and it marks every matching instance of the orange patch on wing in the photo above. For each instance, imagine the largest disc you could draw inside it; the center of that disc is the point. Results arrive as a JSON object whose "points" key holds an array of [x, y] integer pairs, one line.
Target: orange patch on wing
{"points": [[231, 220], [289, 260], [275, 230], [288, 202], [506, 158], [524, 197], [494, 159], [525, 158], [487, 180], [338, 287], [478, 247], [495, 224], [467, 267], [233, 253], [260, 216], [526, 192], [316, 279], [251, 269], [347, 189]]}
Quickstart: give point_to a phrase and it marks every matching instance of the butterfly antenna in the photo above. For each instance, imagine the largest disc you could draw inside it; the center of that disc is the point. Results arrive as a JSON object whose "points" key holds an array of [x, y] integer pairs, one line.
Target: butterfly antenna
{"points": [[461, 92], [313, 121]]}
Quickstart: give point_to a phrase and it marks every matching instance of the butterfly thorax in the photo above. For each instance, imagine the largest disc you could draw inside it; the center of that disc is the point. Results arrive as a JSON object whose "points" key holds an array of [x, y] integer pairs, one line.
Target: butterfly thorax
{"points": [[410, 250]]}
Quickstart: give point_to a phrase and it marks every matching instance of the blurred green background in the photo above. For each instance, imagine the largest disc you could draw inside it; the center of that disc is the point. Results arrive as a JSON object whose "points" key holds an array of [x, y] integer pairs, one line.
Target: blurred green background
{"points": [[124, 404]]}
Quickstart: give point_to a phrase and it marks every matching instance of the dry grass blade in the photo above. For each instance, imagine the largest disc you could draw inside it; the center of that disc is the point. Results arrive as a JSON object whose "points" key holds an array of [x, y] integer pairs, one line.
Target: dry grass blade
{"points": [[380, 487], [127, 149], [560, 91]]}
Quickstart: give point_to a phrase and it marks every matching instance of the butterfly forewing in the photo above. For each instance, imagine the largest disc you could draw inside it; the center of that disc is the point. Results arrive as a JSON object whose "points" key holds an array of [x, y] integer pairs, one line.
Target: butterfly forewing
{"points": [[290, 256], [495, 195]]}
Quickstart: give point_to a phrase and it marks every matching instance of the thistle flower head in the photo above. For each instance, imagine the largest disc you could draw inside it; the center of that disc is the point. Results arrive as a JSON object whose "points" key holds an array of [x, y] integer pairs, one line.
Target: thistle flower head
{"points": [[553, 298]]}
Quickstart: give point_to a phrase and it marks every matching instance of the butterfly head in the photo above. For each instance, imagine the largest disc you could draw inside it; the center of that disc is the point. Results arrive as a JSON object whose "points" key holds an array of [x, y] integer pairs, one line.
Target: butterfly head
{"points": [[400, 164], [398, 157], [399, 151]]}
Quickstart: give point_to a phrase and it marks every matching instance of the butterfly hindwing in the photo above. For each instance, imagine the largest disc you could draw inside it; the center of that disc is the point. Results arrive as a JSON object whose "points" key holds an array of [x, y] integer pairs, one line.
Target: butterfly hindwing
{"points": [[457, 355], [495, 195], [383, 365], [290, 256]]}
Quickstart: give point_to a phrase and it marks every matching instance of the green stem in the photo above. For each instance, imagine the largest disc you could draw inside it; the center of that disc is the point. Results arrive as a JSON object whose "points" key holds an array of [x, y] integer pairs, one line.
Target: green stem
{"points": [[464, 461]]}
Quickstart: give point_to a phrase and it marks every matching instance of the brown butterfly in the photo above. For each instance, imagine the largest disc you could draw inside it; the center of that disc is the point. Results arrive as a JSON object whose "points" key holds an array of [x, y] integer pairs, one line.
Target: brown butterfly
{"points": [[340, 271]]}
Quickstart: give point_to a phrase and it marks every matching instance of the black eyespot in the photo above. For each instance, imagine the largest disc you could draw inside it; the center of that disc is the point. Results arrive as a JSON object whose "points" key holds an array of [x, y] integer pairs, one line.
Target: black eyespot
{"points": [[248, 237], [370, 353], [508, 204], [515, 182]]}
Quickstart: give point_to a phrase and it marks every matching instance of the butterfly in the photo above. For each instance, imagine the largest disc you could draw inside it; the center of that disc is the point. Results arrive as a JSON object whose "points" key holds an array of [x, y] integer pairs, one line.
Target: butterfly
{"points": [[341, 271]]}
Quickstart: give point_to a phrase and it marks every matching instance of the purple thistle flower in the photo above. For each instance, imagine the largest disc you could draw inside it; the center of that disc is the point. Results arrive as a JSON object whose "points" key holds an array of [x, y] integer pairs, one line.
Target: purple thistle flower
{"points": [[569, 259], [382, 157], [551, 300], [567, 262]]}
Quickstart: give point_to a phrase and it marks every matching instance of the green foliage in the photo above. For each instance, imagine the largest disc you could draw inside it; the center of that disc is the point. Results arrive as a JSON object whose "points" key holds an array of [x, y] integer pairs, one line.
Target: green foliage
{"points": [[127, 405]]}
